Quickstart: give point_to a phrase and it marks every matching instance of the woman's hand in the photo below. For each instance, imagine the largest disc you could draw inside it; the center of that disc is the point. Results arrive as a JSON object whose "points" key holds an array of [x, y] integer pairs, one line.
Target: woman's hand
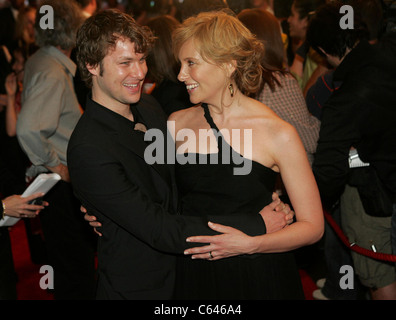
{"points": [[18, 207], [231, 242], [11, 84]]}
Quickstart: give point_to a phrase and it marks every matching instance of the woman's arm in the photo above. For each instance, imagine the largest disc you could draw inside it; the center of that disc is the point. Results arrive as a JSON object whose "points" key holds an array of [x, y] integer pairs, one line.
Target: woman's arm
{"points": [[289, 156], [11, 115], [303, 193], [276, 216]]}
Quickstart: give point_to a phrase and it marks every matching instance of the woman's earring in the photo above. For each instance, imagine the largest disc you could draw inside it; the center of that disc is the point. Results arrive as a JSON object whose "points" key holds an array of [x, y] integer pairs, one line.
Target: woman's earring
{"points": [[231, 88]]}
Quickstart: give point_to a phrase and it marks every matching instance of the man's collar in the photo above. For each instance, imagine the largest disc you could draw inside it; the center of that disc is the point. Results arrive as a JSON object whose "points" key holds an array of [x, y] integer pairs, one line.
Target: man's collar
{"points": [[357, 58], [62, 59]]}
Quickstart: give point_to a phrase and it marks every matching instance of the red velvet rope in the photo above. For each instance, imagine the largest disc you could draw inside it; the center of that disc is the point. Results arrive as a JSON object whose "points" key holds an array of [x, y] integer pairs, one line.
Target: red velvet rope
{"points": [[355, 247]]}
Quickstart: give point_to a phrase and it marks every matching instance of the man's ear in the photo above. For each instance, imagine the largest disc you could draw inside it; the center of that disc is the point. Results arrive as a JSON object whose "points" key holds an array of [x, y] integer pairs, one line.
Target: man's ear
{"points": [[94, 70]]}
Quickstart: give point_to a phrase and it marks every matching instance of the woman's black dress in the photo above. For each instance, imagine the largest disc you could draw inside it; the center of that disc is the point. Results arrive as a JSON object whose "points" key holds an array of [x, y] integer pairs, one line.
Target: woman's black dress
{"points": [[215, 189]]}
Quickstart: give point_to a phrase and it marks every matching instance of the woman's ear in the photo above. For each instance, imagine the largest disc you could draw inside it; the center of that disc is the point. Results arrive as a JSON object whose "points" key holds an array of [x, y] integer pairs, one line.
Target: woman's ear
{"points": [[231, 67]]}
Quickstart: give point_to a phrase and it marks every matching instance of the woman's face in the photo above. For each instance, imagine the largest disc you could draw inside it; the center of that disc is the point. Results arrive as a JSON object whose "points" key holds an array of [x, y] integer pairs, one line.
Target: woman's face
{"points": [[205, 81], [30, 19], [297, 26]]}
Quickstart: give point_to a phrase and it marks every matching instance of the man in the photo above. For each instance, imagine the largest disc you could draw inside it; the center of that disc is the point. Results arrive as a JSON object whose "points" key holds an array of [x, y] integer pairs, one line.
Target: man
{"points": [[368, 15], [49, 113], [135, 202], [359, 115]]}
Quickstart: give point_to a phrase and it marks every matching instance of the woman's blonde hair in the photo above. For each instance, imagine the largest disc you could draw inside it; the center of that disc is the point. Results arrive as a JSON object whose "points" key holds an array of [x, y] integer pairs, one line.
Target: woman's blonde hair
{"points": [[221, 38]]}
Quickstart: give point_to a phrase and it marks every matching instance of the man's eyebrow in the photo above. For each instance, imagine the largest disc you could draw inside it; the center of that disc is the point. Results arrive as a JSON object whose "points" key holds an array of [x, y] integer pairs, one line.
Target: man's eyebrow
{"points": [[129, 58], [126, 58]]}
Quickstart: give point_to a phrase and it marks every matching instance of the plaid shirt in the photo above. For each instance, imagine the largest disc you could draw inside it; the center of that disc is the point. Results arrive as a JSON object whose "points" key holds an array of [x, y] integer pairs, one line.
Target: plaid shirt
{"points": [[288, 102]]}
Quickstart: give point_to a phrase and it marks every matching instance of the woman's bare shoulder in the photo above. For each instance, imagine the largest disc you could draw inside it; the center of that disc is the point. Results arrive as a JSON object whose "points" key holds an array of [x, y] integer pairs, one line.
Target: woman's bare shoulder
{"points": [[270, 125], [185, 117], [184, 113]]}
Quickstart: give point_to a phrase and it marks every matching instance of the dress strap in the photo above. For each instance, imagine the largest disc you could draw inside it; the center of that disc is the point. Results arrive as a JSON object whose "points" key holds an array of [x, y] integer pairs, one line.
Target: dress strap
{"points": [[209, 118], [213, 126]]}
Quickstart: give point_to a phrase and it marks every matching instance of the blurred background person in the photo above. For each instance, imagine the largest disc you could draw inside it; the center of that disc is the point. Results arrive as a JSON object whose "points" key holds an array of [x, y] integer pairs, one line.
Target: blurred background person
{"points": [[12, 205], [49, 113], [280, 90], [307, 65], [8, 21], [24, 31], [163, 67], [359, 116]]}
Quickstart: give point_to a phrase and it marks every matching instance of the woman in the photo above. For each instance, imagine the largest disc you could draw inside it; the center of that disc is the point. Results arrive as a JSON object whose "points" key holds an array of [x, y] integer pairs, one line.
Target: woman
{"points": [[24, 30], [307, 65], [221, 67]]}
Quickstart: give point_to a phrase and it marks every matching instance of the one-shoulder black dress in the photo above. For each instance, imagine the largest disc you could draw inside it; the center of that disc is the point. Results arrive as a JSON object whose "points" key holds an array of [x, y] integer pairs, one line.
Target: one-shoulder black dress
{"points": [[215, 189]]}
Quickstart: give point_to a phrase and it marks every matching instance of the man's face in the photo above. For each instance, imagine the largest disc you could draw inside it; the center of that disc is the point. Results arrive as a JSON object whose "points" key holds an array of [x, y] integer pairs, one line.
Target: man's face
{"points": [[118, 80]]}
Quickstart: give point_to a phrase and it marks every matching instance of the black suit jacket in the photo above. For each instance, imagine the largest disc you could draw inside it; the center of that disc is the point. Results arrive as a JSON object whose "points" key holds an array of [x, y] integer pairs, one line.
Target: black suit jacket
{"points": [[135, 202], [360, 114]]}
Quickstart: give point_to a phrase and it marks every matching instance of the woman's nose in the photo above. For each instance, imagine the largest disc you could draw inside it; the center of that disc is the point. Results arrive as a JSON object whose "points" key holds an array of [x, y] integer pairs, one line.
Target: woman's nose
{"points": [[182, 76]]}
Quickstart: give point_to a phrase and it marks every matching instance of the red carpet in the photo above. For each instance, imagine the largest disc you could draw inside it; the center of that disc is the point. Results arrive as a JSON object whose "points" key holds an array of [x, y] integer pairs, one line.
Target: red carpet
{"points": [[28, 287], [308, 284]]}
